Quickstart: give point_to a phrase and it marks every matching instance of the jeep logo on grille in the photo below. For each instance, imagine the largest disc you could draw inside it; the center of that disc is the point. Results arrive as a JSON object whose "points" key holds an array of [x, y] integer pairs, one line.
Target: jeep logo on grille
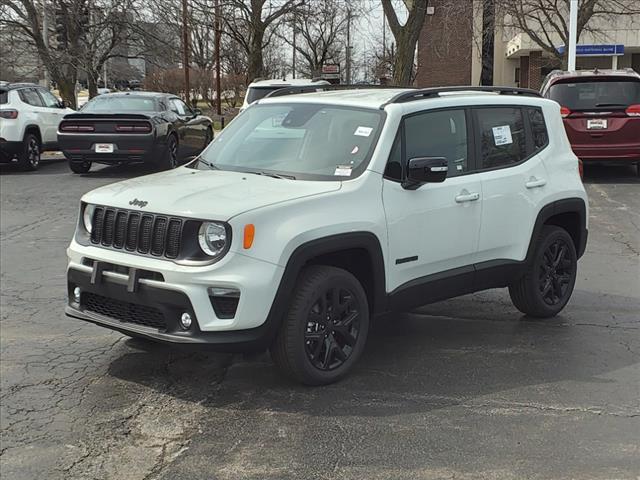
{"points": [[138, 203]]}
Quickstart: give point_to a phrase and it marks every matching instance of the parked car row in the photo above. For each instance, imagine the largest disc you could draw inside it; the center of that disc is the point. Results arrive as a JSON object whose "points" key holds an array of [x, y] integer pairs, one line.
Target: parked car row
{"points": [[113, 128], [600, 108]]}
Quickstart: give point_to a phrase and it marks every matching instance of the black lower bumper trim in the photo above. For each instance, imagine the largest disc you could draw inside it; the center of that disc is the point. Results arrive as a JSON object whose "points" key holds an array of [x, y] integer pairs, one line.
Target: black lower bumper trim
{"points": [[172, 304]]}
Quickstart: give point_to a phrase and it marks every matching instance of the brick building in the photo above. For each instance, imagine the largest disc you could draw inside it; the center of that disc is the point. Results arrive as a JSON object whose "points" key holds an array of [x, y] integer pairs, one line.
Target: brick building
{"points": [[450, 49]]}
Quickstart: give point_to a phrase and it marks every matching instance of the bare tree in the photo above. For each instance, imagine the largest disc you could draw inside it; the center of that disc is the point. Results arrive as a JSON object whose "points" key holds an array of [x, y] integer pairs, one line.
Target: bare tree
{"points": [[406, 36], [320, 28], [251, 24], [547, 21]]}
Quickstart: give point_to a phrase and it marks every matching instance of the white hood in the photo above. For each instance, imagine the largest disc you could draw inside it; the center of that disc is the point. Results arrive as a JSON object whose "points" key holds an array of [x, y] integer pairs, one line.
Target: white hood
{"points": [[211, 195]]}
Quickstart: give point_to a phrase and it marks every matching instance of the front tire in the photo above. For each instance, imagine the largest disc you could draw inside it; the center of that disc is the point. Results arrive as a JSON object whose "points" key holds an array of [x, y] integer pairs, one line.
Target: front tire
{"points": [[80, 167], [326, 327], [545, 288], [29, 158]]}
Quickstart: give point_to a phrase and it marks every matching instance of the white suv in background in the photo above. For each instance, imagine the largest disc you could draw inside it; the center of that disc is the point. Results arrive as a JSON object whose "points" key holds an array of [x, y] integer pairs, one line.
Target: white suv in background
{"points": [[261, 88], [311, 214], [29, 118]]}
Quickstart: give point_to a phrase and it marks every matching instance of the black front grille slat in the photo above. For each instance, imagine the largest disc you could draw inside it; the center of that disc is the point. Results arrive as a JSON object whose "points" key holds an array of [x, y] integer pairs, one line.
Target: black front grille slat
{"points": [[174, 235], [124, 311], [96, 230], [133, 223], [120, 230], [146, 233], [109, 220], [158, 237]]}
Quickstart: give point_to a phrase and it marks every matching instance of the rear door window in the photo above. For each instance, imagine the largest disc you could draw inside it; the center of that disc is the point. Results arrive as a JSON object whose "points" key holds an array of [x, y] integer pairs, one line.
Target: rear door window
{"points": [[603, 94], [502, 136], [31, 97]]}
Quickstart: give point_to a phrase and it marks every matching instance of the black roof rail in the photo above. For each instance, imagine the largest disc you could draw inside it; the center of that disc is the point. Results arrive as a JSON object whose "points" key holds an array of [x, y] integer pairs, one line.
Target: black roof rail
{"points": [[294, 90], [421, 94]]}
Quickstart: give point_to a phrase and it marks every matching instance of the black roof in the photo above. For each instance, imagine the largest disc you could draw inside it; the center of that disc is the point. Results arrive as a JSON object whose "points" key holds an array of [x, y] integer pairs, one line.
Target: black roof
{"points": [[135, 93]]}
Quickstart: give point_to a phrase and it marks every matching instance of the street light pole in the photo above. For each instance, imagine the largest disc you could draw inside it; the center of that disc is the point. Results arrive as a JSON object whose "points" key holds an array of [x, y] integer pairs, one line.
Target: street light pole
{"points": [[185, 50], [573, 34]]}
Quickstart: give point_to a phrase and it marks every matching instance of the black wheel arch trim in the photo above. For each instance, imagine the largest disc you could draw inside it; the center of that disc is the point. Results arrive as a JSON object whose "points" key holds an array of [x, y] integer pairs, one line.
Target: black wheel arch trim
{"points": [[33, 128], [566, 205]]}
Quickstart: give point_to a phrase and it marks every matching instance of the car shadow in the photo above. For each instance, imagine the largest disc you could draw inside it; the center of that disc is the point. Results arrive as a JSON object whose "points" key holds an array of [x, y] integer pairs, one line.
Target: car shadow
{"points": [[46, 167], [415, 362], [611, 174]]}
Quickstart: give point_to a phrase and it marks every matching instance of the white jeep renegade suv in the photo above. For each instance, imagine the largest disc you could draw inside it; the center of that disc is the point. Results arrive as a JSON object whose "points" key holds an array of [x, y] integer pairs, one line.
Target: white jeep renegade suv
{"points": [[313, 213], [29, 118]]}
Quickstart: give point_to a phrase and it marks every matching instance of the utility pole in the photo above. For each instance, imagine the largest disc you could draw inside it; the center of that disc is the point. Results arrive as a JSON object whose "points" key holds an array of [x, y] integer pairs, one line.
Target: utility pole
{"points": [[45, 39], [573, 34], [185, 50], [217, 57], [348, 61], [295, 27]]}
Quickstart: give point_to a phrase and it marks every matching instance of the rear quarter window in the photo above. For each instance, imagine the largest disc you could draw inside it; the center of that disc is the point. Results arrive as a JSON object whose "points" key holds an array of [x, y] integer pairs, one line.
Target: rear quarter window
{"points": [[502, 135], [538, 128], [4, 96]]}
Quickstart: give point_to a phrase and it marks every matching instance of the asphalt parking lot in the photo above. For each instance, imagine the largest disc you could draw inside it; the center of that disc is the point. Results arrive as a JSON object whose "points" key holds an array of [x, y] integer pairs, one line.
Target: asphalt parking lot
{"points": [[462, 389]]}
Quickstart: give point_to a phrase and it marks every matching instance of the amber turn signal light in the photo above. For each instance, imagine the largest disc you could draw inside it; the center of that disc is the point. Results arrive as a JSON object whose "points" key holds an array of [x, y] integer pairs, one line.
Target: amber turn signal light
{"points": [[249, 234]]}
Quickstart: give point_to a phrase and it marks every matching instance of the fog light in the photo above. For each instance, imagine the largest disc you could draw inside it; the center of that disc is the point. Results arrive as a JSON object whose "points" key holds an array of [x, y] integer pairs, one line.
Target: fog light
{"points": [[185, 320], [76, 294]]}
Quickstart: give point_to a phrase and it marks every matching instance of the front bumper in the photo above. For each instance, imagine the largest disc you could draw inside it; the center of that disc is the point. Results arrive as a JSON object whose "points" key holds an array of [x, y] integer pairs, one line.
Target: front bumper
{"points": [[131, 148], [146, 297]]}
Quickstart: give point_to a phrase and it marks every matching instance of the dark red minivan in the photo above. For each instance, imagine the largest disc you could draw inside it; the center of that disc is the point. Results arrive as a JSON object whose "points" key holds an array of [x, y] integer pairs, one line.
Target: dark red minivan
{"points": [[601, 111]]}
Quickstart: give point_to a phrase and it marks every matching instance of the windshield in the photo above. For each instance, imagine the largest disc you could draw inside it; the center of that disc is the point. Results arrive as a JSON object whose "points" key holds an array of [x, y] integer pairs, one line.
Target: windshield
{"points": [[302, 141], [120, 103], [595, 95]]}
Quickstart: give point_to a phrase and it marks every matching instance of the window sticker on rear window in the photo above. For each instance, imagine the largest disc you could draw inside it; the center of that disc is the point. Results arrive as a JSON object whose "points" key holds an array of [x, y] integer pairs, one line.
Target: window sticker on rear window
{"points": [[502, 135]]}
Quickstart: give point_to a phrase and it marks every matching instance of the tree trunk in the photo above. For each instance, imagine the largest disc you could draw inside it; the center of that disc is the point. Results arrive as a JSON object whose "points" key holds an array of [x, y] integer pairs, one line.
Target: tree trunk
{"points": [[488, 41], [256, 67], [92, 84], [67, 89], [403, 63]]}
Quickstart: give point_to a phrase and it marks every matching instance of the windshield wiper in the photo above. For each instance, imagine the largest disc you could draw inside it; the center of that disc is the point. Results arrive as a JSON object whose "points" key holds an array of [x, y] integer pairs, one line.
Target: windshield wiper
{"points": [[610, 105], [210, 165], [274, 175]]}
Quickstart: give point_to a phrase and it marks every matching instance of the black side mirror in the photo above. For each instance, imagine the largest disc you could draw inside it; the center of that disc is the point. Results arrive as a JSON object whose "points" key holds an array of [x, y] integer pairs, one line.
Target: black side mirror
{"points": [[425, 170], [196, 112], [62, 104]]}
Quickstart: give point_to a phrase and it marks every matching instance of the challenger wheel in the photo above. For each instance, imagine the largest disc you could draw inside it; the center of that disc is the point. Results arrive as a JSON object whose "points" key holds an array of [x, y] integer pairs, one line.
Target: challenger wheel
{"points": [[170, 157], [326, 327], [547, 285]]}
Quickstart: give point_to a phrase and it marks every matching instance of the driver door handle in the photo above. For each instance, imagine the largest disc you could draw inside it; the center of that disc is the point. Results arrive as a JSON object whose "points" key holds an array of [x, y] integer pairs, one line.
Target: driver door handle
{"points": [[535, 183], [465, 196]]}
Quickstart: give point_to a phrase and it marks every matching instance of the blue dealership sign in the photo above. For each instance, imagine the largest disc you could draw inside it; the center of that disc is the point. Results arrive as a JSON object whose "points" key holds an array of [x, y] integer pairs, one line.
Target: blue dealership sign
{"points": [[595, 50]]}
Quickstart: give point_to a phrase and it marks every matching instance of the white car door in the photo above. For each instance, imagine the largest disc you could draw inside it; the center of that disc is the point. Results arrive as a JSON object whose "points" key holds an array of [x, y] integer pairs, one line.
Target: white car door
{"points": [[513, 178], [53, 113], [434, 229]]}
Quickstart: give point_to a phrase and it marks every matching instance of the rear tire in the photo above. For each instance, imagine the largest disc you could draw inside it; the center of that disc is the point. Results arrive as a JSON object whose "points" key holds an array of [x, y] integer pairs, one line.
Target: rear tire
{"points": [[29, 158], [169, 160], [545, 288], [80, 167], [326, 327]]}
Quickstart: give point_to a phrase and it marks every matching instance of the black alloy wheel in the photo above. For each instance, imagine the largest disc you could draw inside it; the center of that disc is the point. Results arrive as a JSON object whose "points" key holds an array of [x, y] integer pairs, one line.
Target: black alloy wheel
{"points": [[556, 271], [332, 328], [172, 152], [30, 157]]}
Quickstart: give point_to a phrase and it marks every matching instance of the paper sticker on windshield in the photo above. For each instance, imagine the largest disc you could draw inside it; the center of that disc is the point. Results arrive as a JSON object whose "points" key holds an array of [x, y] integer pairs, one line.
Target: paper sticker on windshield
{"points": [[502, 135], [343, 171], [363, 131]]}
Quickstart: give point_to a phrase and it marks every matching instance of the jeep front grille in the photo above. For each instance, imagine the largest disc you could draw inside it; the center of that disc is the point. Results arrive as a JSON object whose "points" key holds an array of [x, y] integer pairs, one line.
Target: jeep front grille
{"points": [[144, 233]]}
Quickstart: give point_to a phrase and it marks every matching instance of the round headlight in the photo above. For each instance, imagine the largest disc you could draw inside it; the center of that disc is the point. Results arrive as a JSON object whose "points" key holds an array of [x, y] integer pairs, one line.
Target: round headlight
{"points": [[212, 238], [87, 217]]}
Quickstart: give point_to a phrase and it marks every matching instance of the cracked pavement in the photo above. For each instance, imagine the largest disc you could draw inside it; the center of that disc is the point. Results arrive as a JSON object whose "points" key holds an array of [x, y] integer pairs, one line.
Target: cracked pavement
{"points": [[462, 389]]}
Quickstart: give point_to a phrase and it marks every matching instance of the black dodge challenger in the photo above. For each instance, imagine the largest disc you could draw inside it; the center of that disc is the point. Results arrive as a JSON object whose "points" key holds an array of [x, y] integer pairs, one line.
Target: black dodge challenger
{"points": [[133, 127]]}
